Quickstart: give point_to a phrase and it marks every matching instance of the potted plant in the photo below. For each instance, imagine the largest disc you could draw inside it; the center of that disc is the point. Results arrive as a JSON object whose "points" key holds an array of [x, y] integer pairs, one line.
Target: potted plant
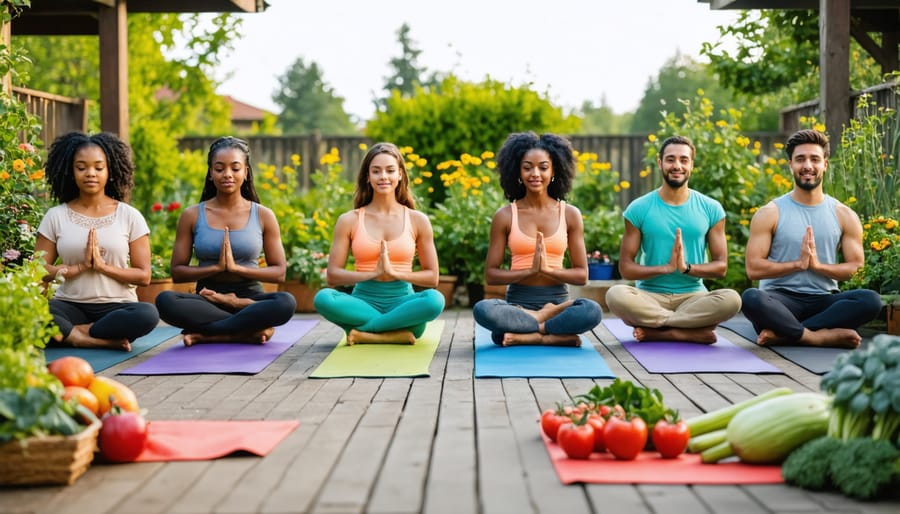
{"points": [[41, 442], [305, 276], [162, 221]]}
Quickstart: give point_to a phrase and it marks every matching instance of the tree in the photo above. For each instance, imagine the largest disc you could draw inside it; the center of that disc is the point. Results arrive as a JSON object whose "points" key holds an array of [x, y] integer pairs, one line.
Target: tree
{"points": [[601, 119], [681, 78], [407, 74], [778, 51], [308, 102]]}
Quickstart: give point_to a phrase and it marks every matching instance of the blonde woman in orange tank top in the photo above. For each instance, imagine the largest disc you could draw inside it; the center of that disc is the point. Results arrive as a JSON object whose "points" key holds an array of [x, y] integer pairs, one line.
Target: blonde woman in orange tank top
{"points": [[384, 233], [538, 227]]}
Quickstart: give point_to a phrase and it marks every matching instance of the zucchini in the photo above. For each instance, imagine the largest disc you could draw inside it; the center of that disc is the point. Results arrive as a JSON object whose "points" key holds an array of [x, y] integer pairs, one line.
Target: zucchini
{"points": [[767, 432], [718, 419]]}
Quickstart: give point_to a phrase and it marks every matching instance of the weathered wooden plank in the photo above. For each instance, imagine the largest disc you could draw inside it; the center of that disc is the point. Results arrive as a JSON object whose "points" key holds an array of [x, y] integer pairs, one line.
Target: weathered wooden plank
{"points": [[102, 488], [671, 498], [161, 490], [616, 499], [451, 485], [204, 493], [727, 498]]}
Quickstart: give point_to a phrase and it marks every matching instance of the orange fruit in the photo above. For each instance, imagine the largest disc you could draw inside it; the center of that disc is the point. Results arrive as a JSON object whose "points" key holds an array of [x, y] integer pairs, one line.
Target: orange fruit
{"points": [[72, 371], [105, 388], [84, 396]]}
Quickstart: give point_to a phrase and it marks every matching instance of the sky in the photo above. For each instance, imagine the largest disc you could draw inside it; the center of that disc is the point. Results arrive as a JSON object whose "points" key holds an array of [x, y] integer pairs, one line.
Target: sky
{"points": [[572, 50]]}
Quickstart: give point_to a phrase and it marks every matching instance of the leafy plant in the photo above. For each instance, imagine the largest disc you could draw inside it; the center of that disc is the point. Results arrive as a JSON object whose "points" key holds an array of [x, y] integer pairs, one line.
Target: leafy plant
{"points": [[881, 243], [307, 266], [162, 221]]}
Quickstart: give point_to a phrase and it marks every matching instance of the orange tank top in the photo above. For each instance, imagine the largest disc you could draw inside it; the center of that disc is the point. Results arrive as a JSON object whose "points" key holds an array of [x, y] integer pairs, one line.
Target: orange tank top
{"points": [[366, 250], [521, 246]]}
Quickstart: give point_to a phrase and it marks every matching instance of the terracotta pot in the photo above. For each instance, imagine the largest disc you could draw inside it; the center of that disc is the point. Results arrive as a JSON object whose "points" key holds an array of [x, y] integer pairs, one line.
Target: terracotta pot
{"points": [[893, 318], [447, 286], [157, 285], [302, 293]]}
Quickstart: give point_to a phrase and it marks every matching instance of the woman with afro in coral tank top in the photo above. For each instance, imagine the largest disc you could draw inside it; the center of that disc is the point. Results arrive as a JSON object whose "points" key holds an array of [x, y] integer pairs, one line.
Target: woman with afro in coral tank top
{"points": [[538, 227]]}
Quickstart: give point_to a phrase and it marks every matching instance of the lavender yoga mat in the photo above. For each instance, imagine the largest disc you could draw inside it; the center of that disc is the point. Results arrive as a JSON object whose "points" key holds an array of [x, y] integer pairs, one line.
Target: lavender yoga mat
{"points": [[237, 358], [677, 357]]}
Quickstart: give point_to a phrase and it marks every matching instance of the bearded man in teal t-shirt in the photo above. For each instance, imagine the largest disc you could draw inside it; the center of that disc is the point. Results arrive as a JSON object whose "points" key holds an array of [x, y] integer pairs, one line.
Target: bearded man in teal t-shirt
{"points": [[669, 233]]}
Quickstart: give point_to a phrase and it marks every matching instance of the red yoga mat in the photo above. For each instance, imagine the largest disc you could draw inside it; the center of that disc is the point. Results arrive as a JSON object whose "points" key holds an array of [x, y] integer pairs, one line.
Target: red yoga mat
{"points": [[205, 440], [650, 468]]}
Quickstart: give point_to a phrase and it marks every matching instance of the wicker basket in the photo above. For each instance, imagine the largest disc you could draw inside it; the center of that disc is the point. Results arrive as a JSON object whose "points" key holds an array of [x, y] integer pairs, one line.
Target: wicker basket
{"points": [[48, 460]]}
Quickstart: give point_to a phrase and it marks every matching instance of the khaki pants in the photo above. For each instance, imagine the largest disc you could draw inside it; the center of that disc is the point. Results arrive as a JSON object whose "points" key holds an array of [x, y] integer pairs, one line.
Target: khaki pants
{"points": [[638, 308]]}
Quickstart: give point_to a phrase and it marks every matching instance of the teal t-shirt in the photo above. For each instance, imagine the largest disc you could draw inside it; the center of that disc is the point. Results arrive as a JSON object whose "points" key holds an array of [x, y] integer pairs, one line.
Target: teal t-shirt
{"points": [[657, 222]]}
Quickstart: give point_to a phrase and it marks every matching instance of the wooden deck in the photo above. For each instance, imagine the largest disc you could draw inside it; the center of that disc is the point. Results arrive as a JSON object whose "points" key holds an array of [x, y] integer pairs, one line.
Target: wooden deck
{"points": [[445, 443]]}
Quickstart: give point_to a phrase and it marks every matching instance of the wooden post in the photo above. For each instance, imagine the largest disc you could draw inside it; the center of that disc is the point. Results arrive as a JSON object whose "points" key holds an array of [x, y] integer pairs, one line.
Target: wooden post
{"points": [[834, 66], [113, 28], [6, 39]]}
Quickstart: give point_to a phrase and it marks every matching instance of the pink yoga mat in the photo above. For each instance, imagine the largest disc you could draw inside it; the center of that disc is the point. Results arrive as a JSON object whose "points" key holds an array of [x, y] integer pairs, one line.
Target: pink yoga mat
{"points": [[204, 440], [650, 468], [241, 358], [677, 357]]}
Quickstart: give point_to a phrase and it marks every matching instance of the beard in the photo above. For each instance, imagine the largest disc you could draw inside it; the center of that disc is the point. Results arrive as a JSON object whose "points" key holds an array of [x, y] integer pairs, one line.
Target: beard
{"points": [[807, 186], [675, 183]]}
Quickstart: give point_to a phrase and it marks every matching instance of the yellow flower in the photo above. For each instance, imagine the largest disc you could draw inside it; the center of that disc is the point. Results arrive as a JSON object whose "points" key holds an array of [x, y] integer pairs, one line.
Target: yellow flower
{"points": [[491, 165], [852, 199], [744, 222], [778, 146], [282, 187], [430, 189], [19, 165], [819, 126], [625, 184], [266, 186], [700, 91], [485, 179], [426, 174], [487, 155], [37, 175], [867, 226], [4, 175], [717, 140], [721, 123], [363, 147], [295, 159], [476, 161], [616, 188], [753, 209], [651, 138], [417, 181], [421, 162]]}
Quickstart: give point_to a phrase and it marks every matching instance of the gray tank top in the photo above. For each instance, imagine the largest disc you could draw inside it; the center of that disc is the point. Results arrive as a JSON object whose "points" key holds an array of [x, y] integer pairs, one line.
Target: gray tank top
{"points": [[793, 218], [246, 243]]}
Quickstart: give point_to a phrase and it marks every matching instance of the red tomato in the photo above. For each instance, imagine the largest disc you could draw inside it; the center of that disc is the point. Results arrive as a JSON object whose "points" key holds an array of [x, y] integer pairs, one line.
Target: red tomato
{"points": [[72, 371], [597, 421], [550, 422], [670, 439], [123, 436], [576, 440], [606, 411], [625, 439]]}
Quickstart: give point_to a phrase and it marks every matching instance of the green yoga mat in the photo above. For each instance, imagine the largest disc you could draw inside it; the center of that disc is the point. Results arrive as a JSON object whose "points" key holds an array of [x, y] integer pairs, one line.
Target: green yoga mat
{"points": [[102, 358], [382, 360]]}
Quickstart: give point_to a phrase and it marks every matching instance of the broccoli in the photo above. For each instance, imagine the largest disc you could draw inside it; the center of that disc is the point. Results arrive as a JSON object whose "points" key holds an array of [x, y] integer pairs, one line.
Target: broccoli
{"points": [[808, 465], [864, 467]]}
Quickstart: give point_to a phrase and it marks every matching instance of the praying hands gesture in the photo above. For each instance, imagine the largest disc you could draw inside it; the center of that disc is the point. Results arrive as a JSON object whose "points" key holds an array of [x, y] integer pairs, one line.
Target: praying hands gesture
{"points": [[226, 256], [809, 260], [540, 263], [676, 262], [384, 270]]}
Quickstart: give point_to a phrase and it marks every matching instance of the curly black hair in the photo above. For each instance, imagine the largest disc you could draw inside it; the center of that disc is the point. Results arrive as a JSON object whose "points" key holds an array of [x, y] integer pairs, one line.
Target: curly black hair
{"points": [[248, 191], [509, 163], [60, 165]]}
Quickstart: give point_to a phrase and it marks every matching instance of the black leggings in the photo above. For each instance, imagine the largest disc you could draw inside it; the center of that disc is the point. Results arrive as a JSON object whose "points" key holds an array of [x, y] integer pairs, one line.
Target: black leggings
{"points": [[787, 313], [197, 315], [128, 320]]}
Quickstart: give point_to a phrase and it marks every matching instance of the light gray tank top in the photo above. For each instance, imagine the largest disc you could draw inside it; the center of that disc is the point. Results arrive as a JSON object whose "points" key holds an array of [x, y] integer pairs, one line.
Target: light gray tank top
{"points": [[793, 218]]}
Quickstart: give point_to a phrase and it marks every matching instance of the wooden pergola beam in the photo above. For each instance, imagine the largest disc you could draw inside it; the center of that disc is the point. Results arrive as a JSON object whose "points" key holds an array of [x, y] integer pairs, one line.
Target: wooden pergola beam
{"points": [[113, 32]]}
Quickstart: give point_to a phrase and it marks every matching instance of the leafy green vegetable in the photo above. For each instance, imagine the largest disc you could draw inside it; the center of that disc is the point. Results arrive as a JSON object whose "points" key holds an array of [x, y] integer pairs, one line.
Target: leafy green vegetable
{"points": [[636, 400], [37, 412], [808, 466], [863, 468]]}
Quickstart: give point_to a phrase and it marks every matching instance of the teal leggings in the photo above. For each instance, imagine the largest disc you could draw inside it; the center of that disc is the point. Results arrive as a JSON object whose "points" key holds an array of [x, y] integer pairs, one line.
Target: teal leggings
{"points": [[380, 307]]}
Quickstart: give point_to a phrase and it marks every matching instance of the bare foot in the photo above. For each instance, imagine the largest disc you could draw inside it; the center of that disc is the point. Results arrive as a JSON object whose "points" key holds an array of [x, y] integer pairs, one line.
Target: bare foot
{"points": [[230, 300], [769, 338], [391, 336], [536, 338], [259, 336], [705, 335], [549, 310], [80, 337]]}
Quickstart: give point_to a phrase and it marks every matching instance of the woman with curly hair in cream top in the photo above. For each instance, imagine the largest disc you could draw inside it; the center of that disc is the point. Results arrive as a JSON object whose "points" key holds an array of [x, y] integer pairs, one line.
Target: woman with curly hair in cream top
{"points": [[538, 227], [384, 233]]}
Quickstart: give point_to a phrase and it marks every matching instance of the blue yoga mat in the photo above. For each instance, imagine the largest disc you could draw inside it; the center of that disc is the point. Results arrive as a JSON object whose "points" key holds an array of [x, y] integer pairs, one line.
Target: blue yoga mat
{"points": [[815, 359], [101, 358], [492, 360]]}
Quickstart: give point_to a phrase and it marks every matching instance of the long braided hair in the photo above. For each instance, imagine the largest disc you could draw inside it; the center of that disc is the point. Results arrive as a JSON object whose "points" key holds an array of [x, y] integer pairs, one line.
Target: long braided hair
{"points": [[60, 164]]}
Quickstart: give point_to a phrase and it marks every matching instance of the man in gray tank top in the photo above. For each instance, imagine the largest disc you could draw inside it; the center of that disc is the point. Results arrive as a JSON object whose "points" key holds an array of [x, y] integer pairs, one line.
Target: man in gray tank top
{"points": [[795, 241]]}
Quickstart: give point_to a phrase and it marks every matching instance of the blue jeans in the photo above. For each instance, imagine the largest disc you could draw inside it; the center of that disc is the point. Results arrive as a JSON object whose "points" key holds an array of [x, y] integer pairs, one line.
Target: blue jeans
{"points": [[787, 313], [501, 316]]}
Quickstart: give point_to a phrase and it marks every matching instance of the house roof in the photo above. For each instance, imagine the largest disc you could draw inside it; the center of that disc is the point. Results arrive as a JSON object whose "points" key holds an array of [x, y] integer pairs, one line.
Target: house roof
{"points": [[241, 111]]}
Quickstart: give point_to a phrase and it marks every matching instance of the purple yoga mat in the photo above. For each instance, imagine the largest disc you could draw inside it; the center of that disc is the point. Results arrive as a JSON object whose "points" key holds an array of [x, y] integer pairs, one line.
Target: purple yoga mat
{"points": [[238, 358], [676, 357]]}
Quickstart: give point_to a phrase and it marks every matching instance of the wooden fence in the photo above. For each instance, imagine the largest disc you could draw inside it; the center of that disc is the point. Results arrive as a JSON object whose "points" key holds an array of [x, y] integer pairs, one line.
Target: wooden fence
{"points": [[625, 152], [59, 114]]}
